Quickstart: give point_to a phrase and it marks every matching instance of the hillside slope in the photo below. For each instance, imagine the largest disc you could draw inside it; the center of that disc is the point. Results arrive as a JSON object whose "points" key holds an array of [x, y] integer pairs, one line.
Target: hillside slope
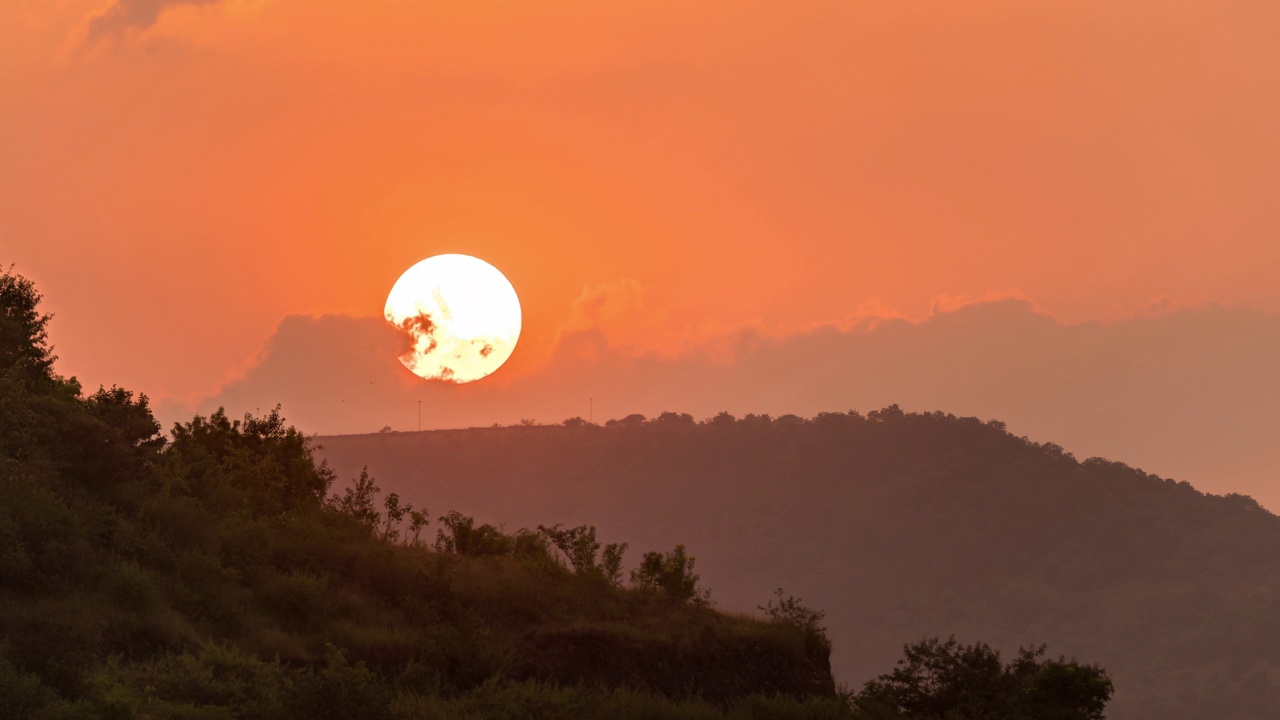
{"points": [[211, 575], [903, 526]]}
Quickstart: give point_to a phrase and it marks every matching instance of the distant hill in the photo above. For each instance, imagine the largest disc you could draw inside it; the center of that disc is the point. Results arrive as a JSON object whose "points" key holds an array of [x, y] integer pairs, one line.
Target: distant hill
{"points": [[902, 526]]}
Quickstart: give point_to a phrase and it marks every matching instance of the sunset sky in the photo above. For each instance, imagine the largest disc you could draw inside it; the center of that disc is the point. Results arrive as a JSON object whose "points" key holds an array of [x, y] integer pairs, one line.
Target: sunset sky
{"points": [[1063, 215]]}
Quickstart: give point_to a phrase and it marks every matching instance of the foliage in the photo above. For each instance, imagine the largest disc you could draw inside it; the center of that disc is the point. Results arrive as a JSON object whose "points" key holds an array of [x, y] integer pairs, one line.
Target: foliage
{"points": [[461, 535], [507, 700], [901, 524], [24, 338], [214, 576], [577, 544], [940, 680], [671, 574], [611, 562], [359, 502], [792, 611], [579, 547], [260, 465]]}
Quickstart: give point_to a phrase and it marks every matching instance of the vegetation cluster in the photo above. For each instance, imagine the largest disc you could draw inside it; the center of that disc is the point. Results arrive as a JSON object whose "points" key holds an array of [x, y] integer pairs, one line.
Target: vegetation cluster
{"points": [[214, 574]]}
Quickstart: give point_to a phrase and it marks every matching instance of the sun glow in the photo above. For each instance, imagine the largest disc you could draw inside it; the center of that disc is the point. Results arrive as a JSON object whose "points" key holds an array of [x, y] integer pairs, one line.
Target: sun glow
{"points": [[461, 315]]}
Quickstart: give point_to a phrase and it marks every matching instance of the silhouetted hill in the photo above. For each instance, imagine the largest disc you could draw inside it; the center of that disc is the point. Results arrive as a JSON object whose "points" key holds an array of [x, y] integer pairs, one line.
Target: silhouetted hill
{"points": [[903, 526]]}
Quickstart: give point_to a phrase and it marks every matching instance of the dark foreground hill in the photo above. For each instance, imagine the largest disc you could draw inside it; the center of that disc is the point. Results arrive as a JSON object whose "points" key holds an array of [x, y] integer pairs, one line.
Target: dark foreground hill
{"points": [[210, 575], [903, 526]]}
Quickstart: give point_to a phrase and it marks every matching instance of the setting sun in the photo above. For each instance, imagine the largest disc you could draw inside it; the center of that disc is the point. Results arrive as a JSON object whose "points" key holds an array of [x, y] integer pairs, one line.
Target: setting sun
{"points": [[461, 314]]}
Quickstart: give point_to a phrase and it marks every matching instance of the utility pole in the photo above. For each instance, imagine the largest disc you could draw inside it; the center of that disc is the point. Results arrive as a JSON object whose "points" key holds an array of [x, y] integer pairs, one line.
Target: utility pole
{"points": [[419, 416], [591, 410]]}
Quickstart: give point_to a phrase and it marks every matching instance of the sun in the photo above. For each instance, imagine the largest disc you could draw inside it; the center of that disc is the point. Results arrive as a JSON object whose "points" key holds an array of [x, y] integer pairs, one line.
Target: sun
{"points": [[461, 314]]}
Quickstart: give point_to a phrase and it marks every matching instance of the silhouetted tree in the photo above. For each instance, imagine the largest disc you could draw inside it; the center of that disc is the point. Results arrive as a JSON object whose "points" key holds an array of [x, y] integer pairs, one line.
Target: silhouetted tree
{"points": [[672, 419], [460, 535], [418, 520], [939, 680], [24, 337], [580, 549], [359, 500], [259, 465], [577, 544], [670, 574], [394, 513], [630, 421], [611, 562]]}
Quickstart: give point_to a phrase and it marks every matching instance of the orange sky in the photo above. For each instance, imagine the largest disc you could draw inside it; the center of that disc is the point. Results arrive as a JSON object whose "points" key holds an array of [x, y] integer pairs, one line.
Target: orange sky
{"points": [[177, 188]]}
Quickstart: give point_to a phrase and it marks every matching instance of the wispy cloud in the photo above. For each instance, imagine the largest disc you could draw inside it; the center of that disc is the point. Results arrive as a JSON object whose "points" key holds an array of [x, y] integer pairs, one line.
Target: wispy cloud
{"points": [[125, 16]]}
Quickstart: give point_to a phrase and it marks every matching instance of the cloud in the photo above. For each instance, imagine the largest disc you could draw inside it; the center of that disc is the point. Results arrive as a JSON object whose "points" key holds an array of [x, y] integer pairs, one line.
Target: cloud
{"points": [[127, 15], [329, 372], [621, 311], [1188, 394]]}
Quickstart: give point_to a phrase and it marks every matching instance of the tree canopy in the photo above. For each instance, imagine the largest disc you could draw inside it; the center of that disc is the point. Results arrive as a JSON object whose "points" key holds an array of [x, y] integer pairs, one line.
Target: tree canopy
{"points": [[944, 680]]}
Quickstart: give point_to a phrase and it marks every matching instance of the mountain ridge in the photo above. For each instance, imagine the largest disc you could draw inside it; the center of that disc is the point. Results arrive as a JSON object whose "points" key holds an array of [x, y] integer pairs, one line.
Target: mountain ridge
{"points": [[901, 526]]}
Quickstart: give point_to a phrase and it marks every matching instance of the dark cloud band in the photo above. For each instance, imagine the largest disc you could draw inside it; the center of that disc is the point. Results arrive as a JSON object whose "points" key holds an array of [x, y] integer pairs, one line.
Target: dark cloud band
{"points": [[1188, 393]]}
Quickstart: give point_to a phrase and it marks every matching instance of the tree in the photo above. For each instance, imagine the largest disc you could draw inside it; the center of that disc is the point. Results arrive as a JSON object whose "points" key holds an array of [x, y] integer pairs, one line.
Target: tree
{"points": [[672, 575], [461, 536], [578, 544], [1061, 689], [357, 501], [24, 337], [394, 513], [887, 414], [580, 548], [611, 562], [939, 680], [418, 519], [675, 419], [261, 464]]}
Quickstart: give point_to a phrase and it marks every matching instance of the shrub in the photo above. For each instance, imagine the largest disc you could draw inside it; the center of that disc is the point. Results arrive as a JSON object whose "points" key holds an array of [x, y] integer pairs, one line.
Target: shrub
{"points": [[339, 691], [937, 679], [461, 536], [672, 575], [792, 611]]}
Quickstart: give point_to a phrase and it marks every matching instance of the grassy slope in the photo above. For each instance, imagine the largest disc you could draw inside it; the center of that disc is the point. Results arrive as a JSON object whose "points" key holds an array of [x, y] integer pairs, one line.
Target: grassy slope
{"points": [[904, 526], [212, 579]]}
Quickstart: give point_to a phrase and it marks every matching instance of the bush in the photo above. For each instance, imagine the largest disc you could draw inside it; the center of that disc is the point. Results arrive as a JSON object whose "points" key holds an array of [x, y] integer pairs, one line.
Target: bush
{"points": [[339, 691], [671, 575], [938, 679], [792, 611], [461, 536]]}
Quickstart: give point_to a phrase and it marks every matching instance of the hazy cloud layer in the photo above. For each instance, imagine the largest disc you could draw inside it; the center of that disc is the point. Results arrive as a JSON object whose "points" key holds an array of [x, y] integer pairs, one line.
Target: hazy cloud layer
{"points": [[126, 15], [1188, 394]]}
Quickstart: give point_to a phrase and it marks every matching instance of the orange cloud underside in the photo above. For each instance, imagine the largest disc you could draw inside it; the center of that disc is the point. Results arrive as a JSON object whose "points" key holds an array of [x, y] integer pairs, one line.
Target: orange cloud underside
{"points": [[177, 189]]}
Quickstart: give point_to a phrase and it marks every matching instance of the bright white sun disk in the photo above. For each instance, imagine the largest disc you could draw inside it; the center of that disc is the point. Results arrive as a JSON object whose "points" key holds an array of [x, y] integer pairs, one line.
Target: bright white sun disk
{"points": [[461, 314]]}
